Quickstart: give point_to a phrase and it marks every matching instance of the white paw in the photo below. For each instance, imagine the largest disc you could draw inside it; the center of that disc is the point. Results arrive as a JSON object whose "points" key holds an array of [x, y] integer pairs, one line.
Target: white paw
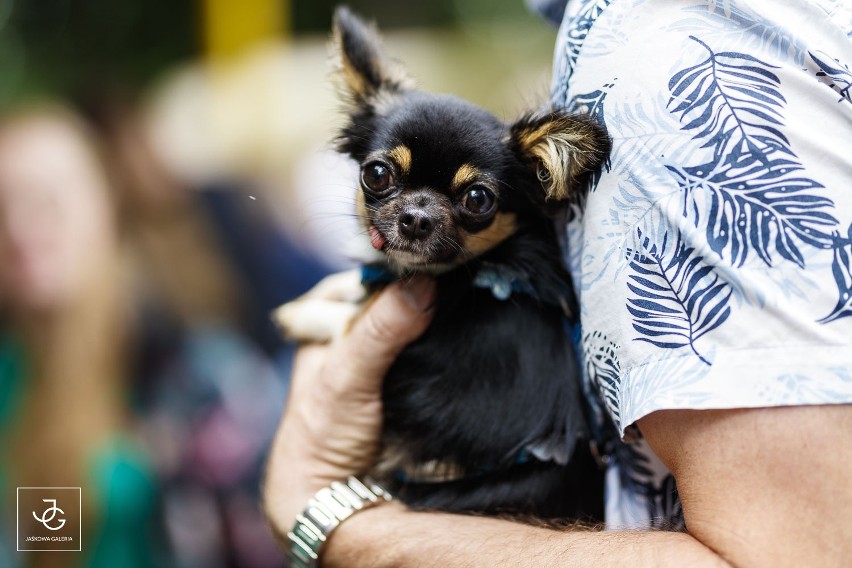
{"points": [[325, 312], [340, 287]]}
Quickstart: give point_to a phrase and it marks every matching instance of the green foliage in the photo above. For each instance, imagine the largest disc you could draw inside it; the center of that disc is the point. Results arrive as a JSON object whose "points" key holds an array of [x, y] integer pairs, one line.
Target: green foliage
{"points": [[72, 47]]}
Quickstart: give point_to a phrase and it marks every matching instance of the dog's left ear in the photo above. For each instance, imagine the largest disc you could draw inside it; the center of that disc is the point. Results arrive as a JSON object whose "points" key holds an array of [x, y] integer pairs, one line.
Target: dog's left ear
{"points": [[365, 70], [561, 146]]}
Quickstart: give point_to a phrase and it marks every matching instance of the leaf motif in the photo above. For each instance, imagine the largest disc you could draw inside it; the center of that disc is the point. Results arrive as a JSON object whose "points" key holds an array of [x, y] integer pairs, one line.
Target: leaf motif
{"points": [[603, 370], [635, 469], [664, 507], [674, 381], [734, 103], [759, 207], [677, 299], [735, 23], [579, 29], [593, 105], [650, 486], [755, 194], [837, 74], [575, 33], [646, 199], [841, 269]]}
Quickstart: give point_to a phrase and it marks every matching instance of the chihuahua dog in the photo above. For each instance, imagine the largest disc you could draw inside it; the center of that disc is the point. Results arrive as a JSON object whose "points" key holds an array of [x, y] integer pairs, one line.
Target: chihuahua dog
{"points": [[483, 411]]}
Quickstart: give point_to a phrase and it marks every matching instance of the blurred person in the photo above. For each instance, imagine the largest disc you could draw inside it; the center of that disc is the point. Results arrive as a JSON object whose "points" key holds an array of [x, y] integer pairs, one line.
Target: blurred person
{"points": [[216, 250], [64, 337], [124, 371], [221, 262], [208, 396]]}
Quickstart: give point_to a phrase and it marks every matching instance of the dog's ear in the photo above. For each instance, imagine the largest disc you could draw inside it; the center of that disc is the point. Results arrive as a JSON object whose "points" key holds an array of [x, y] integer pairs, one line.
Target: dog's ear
{"points": [[365, 71], [561, 146]]}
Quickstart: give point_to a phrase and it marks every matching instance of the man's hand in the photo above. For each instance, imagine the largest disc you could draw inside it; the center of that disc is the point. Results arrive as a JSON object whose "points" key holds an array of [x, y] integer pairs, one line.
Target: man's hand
{"points": [[333, 420]]}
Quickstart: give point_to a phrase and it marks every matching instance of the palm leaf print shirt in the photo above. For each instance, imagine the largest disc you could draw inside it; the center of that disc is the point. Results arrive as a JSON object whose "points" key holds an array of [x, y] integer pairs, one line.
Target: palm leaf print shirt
{"points": [[712, 254]]}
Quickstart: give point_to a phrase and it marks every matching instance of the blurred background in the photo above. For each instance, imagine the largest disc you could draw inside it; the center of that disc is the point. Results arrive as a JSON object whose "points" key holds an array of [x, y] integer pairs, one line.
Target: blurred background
{"points": [[166, 180]]}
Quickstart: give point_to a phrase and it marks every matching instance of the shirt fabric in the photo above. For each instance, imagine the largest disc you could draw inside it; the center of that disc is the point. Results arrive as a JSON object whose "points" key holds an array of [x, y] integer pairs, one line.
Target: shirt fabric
{"points": [[712, 254]]}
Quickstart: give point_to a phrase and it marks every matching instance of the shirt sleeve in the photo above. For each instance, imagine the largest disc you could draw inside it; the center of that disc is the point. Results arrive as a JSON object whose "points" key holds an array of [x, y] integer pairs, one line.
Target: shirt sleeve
{"points": [[712, 254]]}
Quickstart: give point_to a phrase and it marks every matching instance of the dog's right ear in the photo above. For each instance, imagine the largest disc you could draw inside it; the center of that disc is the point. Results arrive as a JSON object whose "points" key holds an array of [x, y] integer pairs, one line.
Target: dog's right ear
{"points": [[365, 71]]}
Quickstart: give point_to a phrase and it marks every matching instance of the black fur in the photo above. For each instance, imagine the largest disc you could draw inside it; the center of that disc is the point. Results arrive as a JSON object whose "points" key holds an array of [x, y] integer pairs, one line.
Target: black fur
{"points": [[490, 377], [360, 45]]}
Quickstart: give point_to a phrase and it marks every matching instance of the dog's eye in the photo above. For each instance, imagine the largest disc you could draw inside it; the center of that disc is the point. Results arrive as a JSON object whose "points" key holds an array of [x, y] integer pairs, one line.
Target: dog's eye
{"points": [[376, 177], [479, 200]]}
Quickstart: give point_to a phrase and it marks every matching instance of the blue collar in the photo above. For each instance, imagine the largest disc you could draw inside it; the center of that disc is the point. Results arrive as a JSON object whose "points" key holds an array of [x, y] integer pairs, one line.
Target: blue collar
{"points": [[501, 280]]}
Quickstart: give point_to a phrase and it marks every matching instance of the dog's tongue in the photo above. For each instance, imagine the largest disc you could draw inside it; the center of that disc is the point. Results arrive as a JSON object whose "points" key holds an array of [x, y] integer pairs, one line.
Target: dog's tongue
{"points": [[376, 239]]}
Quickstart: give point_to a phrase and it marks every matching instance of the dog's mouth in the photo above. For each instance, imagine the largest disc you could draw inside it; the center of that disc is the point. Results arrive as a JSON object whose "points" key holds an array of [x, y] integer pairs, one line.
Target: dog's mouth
{"points": [[406, 254], [377, 239]]}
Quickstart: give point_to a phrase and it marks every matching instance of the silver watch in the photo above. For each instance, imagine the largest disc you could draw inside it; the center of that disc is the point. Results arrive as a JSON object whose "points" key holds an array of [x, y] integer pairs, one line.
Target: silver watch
{"points": [[328, 508]]}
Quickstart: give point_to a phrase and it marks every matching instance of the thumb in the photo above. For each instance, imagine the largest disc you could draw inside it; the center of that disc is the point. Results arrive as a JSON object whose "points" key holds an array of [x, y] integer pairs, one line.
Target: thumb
{"points": [[398, 316]]}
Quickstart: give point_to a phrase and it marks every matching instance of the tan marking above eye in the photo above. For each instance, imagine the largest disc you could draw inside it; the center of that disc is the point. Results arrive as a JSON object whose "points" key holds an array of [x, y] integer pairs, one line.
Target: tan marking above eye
{"points": [[502, 227], [402, 156], [464, 175]]}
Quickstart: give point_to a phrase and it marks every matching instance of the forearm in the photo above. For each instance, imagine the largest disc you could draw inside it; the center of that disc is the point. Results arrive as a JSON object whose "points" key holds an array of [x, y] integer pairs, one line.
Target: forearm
{"points": [[392, 536]]}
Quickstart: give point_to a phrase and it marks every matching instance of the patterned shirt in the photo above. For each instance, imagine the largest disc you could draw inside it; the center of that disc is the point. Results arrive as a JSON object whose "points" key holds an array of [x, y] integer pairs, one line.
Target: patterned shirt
{"points": [[712, 254]]}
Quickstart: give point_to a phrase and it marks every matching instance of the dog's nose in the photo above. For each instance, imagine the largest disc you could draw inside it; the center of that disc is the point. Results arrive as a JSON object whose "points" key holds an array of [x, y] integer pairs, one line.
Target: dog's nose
{"points": [[416, 224]]}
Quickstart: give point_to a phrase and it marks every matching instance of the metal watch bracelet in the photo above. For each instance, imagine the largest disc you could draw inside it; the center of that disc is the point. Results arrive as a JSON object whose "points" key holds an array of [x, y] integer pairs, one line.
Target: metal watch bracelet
{"points": [[325, 511]]}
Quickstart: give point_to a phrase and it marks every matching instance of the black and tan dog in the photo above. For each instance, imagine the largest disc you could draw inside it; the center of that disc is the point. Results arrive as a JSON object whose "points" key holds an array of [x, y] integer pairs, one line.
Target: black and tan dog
{"points": [[483, 411]]}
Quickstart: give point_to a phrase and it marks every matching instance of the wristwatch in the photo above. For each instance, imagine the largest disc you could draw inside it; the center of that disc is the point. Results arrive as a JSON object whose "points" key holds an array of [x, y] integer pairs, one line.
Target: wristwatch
{"points": [[328, 508]]}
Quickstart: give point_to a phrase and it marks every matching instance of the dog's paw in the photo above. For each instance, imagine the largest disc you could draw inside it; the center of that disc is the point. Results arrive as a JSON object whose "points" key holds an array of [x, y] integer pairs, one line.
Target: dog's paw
{"points": [[315, 320], [325, 312]]}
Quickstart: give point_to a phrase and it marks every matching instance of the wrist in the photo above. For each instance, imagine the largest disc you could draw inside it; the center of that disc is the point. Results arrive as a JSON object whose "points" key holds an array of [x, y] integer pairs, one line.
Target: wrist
{"points": [[298, 468], [363, 539], [324, 513], [292, 479]]}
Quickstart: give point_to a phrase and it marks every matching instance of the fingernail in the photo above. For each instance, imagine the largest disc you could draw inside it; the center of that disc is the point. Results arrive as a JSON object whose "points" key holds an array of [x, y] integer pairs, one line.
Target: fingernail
{"points": [[418, 292]]}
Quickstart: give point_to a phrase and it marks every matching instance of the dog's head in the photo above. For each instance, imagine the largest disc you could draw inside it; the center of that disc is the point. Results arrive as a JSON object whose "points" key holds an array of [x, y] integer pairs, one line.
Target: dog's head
{"points": [[443, 181]]}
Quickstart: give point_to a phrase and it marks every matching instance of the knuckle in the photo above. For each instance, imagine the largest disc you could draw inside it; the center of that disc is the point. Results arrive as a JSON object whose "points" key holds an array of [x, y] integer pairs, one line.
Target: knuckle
{"points": [[379, 329]]}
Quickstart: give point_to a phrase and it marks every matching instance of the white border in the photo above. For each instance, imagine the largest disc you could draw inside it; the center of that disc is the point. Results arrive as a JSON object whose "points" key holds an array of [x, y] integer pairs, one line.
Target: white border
{"points": [[18, 517]]}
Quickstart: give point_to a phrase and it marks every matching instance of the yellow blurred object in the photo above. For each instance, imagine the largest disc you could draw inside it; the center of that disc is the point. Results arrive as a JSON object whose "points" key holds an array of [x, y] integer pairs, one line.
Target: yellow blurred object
{"points": [[230, 27]]}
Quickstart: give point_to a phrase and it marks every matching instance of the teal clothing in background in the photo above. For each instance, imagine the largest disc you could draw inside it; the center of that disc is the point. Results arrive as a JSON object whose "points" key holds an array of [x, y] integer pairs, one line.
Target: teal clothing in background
{"points": [[126, 491], [121, 483], [12, 370]]}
